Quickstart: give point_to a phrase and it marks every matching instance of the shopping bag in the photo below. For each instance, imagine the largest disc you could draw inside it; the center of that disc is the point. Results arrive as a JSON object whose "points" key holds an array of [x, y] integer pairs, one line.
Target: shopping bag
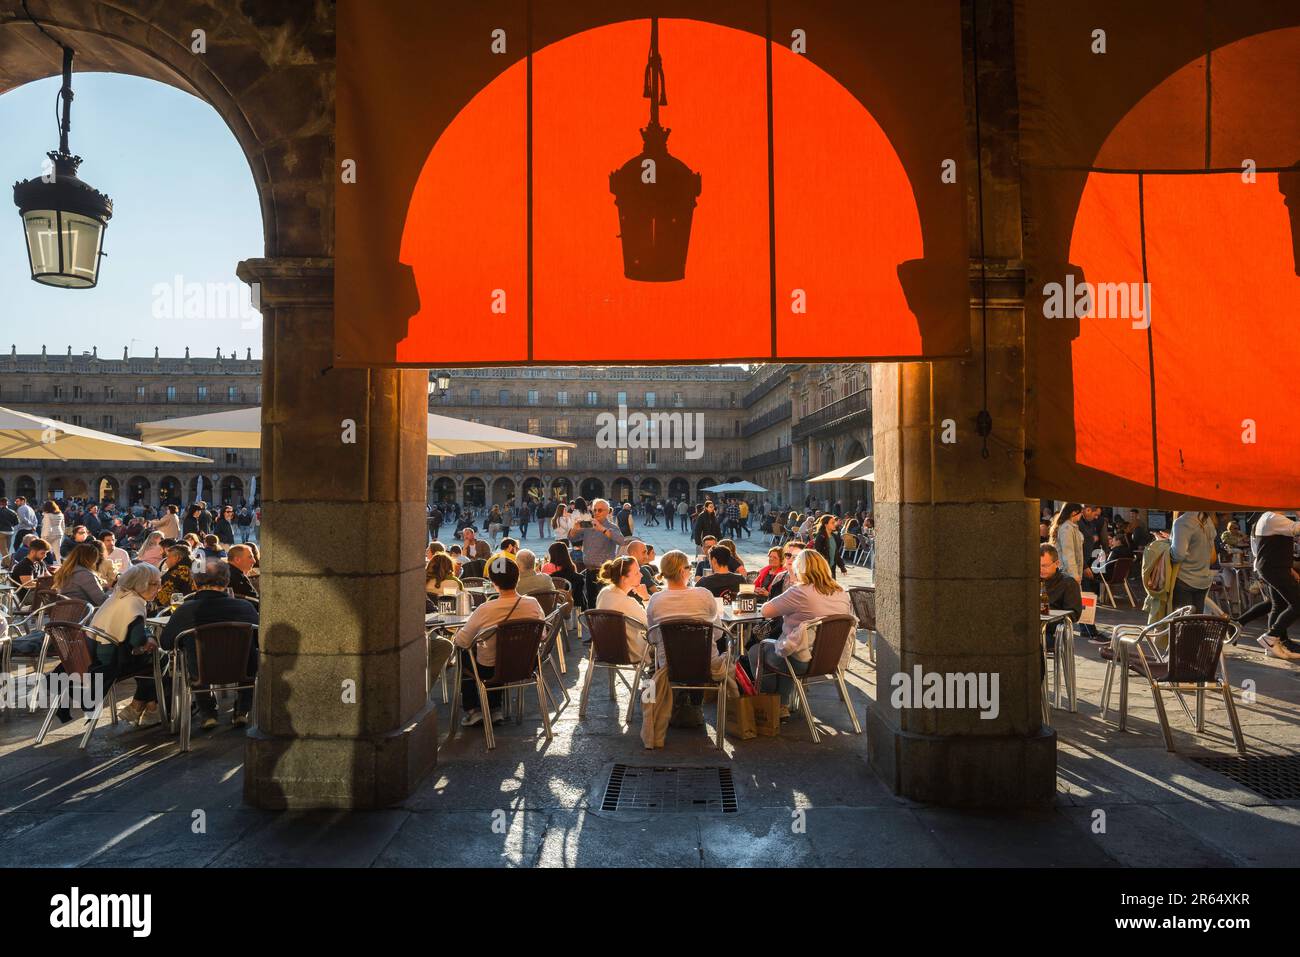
{"points": [[767, 713], [1089, 616], [742, 680], [740, 717]]}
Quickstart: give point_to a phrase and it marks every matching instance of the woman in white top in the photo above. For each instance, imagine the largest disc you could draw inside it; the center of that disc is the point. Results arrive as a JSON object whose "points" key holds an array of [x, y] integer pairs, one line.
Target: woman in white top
{"points": [[509, 604], [1065, 535], [52, 528], [622, 578], [678, 599], [815, 594]]}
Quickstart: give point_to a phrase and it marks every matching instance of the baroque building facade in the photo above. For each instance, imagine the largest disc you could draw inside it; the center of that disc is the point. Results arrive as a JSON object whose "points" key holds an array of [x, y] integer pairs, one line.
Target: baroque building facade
{"points": [[638, 431]]}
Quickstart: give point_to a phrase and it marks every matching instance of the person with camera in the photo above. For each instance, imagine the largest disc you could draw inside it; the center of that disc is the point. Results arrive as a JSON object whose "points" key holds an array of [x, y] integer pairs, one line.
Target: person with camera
{"points": [[599, 538]]}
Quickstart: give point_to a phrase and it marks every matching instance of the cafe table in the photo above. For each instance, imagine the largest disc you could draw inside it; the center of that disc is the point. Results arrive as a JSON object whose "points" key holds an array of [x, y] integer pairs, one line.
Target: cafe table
{"points": [[1063, 661], [449, 623], [161, 658], [740, 623]]}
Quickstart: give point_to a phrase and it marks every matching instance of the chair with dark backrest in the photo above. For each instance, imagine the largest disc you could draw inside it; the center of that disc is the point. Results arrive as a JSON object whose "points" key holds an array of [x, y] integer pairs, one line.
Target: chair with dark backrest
{"points": [[864, 609], [565, 588], [1114, 574], [75, 644], [473, 568], [1125, 637], [32, 626], [608, 631], [1195, 663], [751, 577], [828, 636], [550, 601], [552, 649], [689, 646], [222, 651], [519, 665]]}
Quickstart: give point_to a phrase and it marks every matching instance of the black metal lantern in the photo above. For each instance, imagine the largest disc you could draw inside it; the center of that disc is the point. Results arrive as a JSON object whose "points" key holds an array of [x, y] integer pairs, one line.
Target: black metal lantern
{"points": [[63, 218], [655, 192]]}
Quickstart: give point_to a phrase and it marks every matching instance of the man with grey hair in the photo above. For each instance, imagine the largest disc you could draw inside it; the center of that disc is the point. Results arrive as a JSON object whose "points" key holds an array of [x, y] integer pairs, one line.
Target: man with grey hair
{"points": [[212, 603], [531, 580], [637, 549], [599, 540]]}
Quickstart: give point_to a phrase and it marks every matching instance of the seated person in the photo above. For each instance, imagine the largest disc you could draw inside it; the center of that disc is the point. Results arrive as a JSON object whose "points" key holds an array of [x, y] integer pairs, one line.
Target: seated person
{"points": [[1234, 537], [211, 548], [31, 567], [240, 559], [440, 573], [1062, 591], [814, 594], [116, 559], [679, 599], [531, 580], [510, 546], [212, 603], [624, 592], [707, 544], [641, 552], [152, 552], [721, 582], [503, 572], [769, 571], [559, 565], [176, 574], [123, 616], [80, 535], [734, 564], [76, 577]]}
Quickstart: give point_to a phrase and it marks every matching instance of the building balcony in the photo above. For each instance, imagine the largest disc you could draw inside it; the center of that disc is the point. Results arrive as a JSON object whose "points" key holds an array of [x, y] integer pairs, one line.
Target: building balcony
{"points": [[781, 456], [853, 409], [768, 419]]}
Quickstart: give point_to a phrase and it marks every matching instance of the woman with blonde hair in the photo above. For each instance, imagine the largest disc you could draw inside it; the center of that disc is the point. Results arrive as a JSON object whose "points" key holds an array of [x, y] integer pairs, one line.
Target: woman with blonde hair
{"points": [[152, 552], [815, 594], [439, 573], [77, 578]]}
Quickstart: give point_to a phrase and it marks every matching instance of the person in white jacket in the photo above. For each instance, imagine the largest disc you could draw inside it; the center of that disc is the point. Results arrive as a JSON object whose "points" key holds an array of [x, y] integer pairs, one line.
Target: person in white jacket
{"points": [[52, 527], [1065, 535]]}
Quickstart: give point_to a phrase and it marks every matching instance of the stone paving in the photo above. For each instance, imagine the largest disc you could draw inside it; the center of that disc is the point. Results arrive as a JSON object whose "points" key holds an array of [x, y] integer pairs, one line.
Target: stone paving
{"points": [[133, 798]]}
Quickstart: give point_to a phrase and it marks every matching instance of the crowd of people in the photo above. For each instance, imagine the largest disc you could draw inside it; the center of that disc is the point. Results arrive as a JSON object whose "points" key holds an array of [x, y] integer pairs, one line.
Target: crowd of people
{"points": [[129, 565], [595, 560]]}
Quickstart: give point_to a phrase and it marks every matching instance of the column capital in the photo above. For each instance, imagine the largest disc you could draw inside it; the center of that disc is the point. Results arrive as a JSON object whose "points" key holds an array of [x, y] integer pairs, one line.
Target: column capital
{"points": [[289, 280]]}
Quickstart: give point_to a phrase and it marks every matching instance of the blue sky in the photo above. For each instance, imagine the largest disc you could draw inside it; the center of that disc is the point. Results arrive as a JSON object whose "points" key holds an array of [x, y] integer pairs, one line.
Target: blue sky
{"points": [[184, 204]]}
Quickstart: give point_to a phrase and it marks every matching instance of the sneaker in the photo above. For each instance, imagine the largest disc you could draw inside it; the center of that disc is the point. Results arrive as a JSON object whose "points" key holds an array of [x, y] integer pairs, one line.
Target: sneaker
{"points": [[207, 720], [1277, 649], [132, 713], [239, 720], [471, 718], [151, 714], [498, 717]]}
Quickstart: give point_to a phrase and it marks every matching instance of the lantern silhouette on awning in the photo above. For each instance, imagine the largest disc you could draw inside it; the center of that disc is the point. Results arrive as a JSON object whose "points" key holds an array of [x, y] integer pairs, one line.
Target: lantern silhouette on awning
{"points": [[655, 192]]}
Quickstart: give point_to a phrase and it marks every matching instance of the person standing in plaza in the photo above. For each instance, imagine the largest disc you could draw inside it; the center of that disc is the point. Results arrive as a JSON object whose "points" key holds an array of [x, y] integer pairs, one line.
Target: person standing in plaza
{"points": [[625, 521], [1273, 545], [52, 527], [829, 544], [8, 522], [599, 538], [706, 524], [1191, 549], [670, 512]]}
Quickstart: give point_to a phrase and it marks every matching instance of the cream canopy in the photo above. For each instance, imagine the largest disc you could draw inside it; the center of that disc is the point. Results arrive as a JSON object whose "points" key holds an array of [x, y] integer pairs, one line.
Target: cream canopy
{"points": [[24, 436], [863, 468], [242, 429]]}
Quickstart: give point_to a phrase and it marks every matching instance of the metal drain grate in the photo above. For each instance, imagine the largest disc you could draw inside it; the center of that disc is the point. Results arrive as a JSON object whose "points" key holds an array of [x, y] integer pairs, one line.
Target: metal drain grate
{"points": [[669, 789], [1273, 776]]}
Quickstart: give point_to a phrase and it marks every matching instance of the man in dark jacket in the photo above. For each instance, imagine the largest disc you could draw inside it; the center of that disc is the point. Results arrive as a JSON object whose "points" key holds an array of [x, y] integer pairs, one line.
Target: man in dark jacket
{"points": [[224, 528], [241, 561], [8, 522], [212, 603], [1062, 591]]}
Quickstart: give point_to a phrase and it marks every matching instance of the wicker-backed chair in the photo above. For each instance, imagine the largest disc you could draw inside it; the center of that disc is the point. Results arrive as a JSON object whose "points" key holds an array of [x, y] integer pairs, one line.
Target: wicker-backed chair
{"points": [[552, 601], [689, 646], [864, 609], [1195, 663], [828, 636], [552, 651], [519, 665], [608, 650], [222, 652], [75, 644], [1114, 574], [473, 568], [1122, 639], [34, 624]]}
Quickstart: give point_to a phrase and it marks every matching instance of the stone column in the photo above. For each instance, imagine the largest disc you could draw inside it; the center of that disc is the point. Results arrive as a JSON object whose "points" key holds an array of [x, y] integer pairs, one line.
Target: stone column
{"points": [[343, 719], [956, 543]]}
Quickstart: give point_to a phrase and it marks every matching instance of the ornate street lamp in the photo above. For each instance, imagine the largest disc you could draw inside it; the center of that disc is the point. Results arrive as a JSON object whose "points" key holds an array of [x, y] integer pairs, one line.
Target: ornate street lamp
{"points": [[655, 192], [63, 217], [441, 382]]}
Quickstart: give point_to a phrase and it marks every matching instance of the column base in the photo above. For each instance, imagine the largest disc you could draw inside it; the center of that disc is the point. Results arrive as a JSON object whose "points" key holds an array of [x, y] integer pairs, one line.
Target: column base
{"points": [[964, 770], [364, 773]]}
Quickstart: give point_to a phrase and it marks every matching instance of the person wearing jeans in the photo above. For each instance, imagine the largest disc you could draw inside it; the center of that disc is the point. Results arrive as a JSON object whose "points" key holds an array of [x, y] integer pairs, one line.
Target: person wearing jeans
{"points": [[1191, 548], [1273, 544]]}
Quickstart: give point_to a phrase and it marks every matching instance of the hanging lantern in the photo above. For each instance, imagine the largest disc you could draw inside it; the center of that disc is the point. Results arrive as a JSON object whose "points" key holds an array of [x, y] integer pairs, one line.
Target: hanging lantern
{"points": [[63, 217], [655, 192]]}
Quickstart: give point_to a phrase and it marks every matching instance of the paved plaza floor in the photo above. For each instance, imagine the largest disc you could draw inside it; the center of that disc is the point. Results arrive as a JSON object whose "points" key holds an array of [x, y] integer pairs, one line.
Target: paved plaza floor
{"points": [[1122, 800]]}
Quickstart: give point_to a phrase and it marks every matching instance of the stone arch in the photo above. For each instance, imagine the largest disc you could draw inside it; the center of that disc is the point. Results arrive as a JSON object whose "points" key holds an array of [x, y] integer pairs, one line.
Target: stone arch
{"points": [[503, 489], [107, 489], [26, 487], [169, 491], [474, 492], [232, 490], [533, 489], [591, 488], [562, 488], [621, 490], [137, 490], [679, 488], [444, 490], [651, 488]]}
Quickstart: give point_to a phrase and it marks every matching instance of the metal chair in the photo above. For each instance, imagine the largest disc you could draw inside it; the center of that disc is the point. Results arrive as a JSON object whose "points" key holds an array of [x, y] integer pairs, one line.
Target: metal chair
{"points": [[1195, 663], [550, 602], [828, 635], [58, 609], [519, 665], [1116, 655], [222, 651], [571, 622], [1114, 574], [864, 609], [608, 649], [75, 644], [688, 648], [552, 649]]}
